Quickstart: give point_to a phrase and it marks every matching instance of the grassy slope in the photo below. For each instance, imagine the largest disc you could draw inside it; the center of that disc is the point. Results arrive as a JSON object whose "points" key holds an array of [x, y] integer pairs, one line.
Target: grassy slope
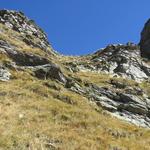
{"points": [[34, 116]]}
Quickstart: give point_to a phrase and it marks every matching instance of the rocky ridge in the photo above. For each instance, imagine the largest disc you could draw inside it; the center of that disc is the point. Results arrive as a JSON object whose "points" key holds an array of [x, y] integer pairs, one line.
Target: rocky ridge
{"points": [[30, 33], [117, 61]]}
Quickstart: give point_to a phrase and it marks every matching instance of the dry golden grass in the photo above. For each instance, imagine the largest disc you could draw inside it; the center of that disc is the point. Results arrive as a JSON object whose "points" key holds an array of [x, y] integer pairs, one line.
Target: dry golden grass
{"points": [[33, 117], [146, 87], [37, 117], [100, 79], [4, 58], [103, 79]]}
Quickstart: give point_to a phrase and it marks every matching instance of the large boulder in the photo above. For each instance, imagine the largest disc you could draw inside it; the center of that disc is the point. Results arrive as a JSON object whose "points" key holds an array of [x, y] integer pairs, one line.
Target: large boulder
{"points": [[145, 40], [26, 59], [49, 71]]}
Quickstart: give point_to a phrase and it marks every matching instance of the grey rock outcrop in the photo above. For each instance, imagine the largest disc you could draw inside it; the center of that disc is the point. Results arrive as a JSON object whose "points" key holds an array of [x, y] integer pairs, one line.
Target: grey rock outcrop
{"points": [[118, 60], [130, 107], [123, 60], [26, 59], [51, 71], [127, 103], [22, 58], [42, 67], [31, 34], [4, 74], [74, 86]]}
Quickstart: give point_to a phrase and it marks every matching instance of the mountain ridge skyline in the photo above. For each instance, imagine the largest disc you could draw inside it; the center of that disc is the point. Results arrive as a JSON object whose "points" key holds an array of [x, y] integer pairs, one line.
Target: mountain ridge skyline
{"points": [[81, 27]]}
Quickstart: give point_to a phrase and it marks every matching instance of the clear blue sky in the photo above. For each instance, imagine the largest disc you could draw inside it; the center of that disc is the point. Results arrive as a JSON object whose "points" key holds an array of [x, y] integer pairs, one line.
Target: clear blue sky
{"points": [[82, 26]]}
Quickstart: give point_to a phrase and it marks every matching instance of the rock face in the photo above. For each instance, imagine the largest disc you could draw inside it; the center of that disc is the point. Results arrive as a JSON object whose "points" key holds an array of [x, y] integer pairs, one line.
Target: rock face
{"points": [[128, 103], [145, 40], [51, 71], [122, 60], [30, 32], [130, 107], [42, 67], [22, 58], [121, 100], [118, 60]]}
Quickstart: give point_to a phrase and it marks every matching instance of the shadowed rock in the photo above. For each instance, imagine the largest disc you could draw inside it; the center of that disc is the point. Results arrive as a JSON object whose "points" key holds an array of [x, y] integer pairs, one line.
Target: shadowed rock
{"points": [[49, 71], [145, 40], [43, 68]]}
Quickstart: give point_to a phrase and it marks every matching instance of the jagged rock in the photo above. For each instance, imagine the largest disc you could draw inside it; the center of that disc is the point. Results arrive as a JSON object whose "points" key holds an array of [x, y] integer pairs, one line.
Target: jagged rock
{"points": [[42, 67], [72, 66], [134, 108], [74, 86], [125, 62], [49, 71], [103, 91], [130, 107], [121, 60], [134, 91], [105, 103], [146, 68], [145, 40], [4, 74], [27, 59], [22, 59], [31, 34], [128, 98], [4, 45]]}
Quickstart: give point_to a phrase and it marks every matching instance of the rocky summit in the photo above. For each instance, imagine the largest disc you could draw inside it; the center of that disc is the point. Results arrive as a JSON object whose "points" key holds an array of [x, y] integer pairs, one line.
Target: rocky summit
{"points": [[51, 101]]}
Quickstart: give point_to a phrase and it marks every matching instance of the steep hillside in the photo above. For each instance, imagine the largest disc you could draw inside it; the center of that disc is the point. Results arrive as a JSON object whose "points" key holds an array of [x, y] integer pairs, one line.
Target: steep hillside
{"points": [[50, 101]]}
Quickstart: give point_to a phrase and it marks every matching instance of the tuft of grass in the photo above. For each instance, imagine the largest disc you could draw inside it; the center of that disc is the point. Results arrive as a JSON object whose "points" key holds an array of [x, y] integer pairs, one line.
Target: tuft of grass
{"points": [[146, 87]]}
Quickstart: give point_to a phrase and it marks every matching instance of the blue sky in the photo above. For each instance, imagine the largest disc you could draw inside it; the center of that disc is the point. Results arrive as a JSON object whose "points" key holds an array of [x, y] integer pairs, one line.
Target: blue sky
{"points": [[77, 27]]}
